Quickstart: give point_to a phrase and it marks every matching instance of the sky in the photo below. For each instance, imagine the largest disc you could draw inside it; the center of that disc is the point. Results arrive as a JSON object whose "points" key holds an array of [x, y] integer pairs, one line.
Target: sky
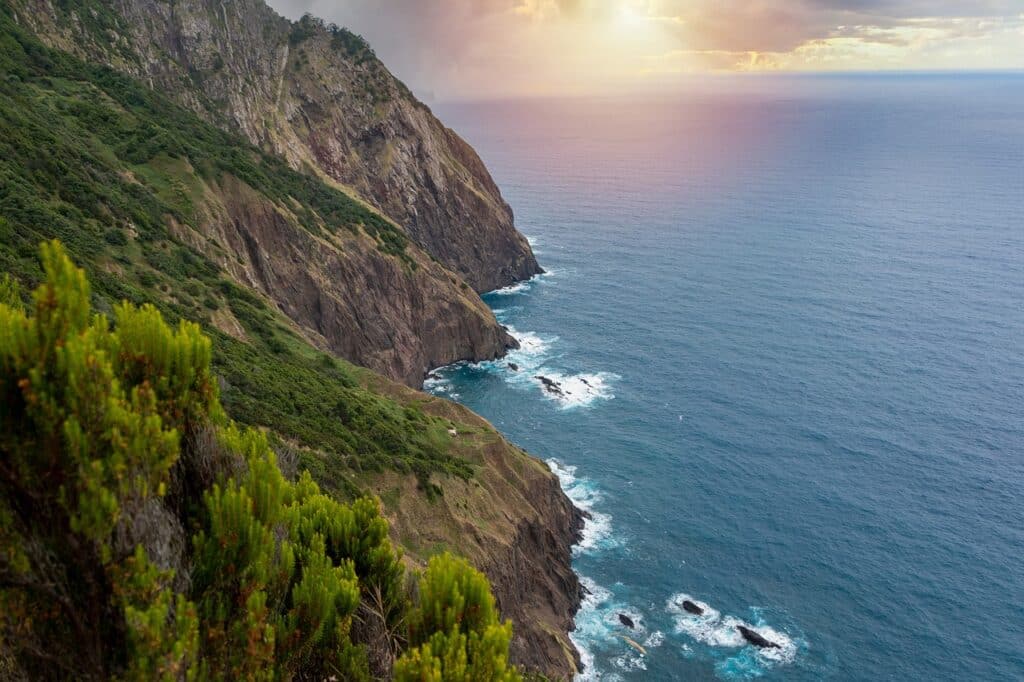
{"points": [[458, 49]]}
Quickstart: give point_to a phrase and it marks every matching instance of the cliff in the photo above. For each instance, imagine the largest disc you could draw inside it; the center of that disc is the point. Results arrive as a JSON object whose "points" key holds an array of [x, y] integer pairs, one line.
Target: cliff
{"points": [[511, 520], [400, 316], [318, 97]]}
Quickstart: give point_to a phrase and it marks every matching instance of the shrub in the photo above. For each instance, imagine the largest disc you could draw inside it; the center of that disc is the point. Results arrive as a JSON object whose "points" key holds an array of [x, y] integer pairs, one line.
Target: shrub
{"points": [[454, 629], [99, 421]]}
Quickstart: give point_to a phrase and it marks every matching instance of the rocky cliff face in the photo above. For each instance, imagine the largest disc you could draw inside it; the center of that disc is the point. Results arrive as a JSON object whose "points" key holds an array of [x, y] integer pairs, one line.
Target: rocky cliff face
{"points": [[339, 288], [343, 293], [317, 96], [512, 520]]}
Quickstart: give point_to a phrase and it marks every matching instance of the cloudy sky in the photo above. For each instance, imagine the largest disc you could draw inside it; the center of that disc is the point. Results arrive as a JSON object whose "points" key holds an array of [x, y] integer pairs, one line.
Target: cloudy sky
{"points": [[497, 48]]}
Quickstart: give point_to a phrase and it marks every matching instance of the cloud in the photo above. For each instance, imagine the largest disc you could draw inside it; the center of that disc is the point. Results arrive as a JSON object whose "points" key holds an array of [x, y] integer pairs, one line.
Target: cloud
{"points": [[493, 47]]}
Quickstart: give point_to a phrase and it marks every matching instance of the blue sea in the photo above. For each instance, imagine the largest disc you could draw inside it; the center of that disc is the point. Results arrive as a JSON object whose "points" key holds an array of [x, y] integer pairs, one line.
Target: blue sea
{"points": [[786, 316]]}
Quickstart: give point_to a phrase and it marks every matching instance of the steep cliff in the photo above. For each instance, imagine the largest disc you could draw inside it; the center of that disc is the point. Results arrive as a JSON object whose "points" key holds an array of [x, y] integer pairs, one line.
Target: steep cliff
{"points": [[315, 95], [398, 317], [347, 277]]}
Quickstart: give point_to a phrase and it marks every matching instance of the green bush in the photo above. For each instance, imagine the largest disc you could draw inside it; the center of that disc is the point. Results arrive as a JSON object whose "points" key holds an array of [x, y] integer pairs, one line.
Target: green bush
{"points": [[454, 630], [99, 422]]}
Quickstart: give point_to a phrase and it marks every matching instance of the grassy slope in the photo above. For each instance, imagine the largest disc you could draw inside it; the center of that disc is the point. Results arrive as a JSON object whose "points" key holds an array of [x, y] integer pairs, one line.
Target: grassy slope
{"points": [[90, 157]]}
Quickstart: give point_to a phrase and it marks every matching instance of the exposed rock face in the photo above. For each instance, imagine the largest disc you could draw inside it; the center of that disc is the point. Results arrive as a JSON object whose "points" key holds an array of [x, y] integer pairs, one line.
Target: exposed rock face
{"points": [[512, 520], [343, 293], [320, 99]]}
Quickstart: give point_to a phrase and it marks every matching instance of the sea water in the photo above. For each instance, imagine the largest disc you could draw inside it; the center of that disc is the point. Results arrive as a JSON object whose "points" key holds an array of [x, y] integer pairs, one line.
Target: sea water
{"points": [[786, 320]]}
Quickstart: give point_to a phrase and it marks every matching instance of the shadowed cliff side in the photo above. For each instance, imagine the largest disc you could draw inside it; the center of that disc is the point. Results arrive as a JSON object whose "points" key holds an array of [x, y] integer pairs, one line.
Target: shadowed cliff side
{"points": [[317, 96]]}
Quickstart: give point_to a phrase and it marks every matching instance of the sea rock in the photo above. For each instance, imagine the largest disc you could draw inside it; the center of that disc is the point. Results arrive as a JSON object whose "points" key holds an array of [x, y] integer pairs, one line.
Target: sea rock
{"points": [[513, 366], [690, 607], [550, 385], [633, 643], [627, 621], [755, 638]]}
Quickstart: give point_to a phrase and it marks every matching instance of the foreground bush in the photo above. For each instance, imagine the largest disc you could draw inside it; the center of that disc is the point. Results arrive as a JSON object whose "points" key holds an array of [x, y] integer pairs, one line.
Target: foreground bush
{"points": [[144, 536], [455, 628]]}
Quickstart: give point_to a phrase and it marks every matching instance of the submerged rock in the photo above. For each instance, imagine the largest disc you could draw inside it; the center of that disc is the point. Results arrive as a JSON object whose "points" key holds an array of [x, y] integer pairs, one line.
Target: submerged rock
{"points": [[756, 639], [690, 607], [633, 644]]}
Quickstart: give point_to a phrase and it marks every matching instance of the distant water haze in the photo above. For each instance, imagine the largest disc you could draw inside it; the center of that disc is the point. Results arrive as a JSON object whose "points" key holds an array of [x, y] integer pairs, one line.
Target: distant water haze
{"points": [[782, 348]]}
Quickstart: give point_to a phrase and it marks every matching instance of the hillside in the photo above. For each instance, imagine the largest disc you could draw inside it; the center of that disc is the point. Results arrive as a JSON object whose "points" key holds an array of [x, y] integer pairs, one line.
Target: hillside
{"points": [[317, 96], [115, 165], [285, 272]]}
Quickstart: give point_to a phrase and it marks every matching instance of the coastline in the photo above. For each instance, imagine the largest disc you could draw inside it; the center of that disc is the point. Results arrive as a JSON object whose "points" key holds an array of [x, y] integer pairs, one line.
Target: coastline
{"points": [[521, 566]]}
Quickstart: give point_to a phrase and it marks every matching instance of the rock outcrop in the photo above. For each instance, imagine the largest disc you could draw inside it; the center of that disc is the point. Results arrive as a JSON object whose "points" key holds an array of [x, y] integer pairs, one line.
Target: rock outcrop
{"points": [[317, 96]]}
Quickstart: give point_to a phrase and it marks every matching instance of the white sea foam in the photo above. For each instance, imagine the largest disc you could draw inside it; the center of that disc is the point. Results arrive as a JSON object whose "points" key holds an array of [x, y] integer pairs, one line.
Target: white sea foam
{"points": [[597, 529], [598, 628], [532, 348], [529, 363], [713, 629], [654, 640], [522, 286], [517, 288], [576, 390]]}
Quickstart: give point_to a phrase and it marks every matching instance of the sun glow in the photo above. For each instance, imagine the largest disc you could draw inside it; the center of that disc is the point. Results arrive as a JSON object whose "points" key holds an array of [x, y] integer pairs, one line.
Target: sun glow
{"points": [[628, 16]]}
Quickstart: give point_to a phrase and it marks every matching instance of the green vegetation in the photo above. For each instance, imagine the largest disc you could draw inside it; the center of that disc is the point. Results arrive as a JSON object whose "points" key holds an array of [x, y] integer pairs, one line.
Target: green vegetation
{"points": [[145, 536], [146, 528], [342, 39], [454, 629]]}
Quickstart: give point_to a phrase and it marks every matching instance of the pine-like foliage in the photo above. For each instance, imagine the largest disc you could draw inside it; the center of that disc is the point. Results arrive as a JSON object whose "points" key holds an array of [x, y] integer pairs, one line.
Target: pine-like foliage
{"points": [[454, 629], [237, 572], [89, 432]]}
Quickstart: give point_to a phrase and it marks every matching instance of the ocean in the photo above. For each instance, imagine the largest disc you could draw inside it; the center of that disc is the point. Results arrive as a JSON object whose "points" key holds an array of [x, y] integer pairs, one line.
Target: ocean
{"points": [[785, 317]]}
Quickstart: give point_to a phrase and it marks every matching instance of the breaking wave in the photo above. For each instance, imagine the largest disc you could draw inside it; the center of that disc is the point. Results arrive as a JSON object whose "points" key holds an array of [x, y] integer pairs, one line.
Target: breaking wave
{"points": [[721, 634]]}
